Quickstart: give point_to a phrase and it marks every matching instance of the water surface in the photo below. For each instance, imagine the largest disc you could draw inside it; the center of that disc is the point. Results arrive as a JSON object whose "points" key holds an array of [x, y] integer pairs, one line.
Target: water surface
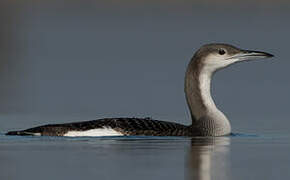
{"points": [[234, 157]]}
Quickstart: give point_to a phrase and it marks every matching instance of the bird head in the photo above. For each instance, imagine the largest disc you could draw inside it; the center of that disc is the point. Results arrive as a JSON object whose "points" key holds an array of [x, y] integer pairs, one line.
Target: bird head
{"points": [[217, 56]]}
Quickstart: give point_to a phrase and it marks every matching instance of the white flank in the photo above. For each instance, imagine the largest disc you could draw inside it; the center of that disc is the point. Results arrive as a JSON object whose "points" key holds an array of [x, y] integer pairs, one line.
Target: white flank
{"points": [[105, 131]]}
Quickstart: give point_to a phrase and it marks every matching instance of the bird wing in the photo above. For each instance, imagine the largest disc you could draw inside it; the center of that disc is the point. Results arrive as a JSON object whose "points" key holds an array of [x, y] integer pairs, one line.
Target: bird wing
{"points": [[124, 126]]}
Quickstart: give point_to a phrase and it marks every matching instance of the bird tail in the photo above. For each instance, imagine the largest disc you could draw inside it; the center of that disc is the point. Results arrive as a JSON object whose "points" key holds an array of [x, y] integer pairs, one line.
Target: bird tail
{"points": [[19, 133]]}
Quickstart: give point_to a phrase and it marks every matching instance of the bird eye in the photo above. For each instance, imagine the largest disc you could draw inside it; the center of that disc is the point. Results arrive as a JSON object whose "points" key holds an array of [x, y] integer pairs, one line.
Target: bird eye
{"points": [[222, 52]]}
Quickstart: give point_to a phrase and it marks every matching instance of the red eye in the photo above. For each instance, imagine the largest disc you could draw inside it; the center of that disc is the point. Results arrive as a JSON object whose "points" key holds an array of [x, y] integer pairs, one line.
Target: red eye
{"points": [[222, 52]]}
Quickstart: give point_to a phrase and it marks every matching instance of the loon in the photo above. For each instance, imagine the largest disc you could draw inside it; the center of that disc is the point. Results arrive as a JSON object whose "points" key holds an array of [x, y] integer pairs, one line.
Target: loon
{"points": [[207, 119]]}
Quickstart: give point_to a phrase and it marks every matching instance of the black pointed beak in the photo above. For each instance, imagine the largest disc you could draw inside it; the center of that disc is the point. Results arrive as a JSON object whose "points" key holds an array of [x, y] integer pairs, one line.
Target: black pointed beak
{"points": [[258, 54], [249, 55]]}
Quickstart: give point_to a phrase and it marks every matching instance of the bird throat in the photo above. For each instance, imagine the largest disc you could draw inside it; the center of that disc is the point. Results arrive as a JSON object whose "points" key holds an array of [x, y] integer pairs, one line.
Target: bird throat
{"points": [[197, 90]]}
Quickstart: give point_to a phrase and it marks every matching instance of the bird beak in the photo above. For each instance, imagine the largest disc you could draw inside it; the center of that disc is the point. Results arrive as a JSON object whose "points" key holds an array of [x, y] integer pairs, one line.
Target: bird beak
{"points": [[249, 55]]}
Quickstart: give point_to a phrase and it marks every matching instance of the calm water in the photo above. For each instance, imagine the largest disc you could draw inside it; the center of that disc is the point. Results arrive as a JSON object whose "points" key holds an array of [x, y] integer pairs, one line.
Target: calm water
{"points": [[234, 157], [71, 60]]}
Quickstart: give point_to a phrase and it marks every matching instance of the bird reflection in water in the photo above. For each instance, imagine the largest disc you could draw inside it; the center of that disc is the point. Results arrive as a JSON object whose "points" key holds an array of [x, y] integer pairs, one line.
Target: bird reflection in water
{"points": [[208, 158]]}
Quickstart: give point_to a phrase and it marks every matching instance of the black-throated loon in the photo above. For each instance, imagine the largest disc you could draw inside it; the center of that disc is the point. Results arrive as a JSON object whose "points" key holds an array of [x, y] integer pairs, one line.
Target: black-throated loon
{"points": [[207, 119]]}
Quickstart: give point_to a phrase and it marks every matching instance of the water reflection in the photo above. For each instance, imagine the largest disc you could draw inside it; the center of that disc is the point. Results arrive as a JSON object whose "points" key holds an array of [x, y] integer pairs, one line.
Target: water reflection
{"points": [[208, 157]]}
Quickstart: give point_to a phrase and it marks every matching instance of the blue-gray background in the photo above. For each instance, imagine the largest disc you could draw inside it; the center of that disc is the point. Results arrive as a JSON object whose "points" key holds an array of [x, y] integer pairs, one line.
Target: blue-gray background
{"points": [[64, 61], [73, 60]]}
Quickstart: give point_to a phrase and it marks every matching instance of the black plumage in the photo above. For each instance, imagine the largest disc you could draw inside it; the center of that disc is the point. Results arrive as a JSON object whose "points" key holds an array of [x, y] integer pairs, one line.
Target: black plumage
{"points": [[126, 126]]}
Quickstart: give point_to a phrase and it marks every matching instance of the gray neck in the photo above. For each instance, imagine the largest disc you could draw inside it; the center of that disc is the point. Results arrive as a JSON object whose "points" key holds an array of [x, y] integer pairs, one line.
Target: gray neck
{"points": [[198, 95]]}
